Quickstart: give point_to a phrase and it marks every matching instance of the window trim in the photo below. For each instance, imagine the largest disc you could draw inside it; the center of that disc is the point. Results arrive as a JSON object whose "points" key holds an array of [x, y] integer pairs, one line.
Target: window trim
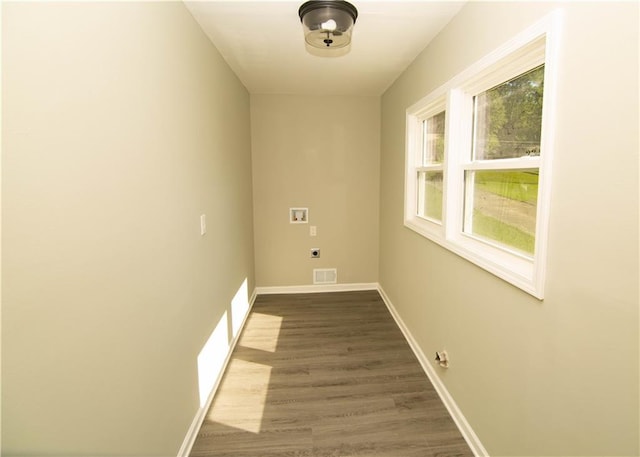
{"points": [[534, 46], [430, 107]]}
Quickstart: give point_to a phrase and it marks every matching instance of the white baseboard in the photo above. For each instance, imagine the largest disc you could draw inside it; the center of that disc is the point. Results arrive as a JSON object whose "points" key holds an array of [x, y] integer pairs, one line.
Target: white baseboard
{"points": [[312, 288], [192, 433], [465, 428]]}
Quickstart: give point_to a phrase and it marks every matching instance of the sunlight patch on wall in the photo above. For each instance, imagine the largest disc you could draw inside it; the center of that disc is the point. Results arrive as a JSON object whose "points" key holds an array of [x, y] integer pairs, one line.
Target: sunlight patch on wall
{"points": [[211, 358], [239, 308]]}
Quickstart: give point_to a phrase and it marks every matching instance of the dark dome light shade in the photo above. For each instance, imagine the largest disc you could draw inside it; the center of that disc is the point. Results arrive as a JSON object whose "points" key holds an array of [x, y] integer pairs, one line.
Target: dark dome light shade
{"points": [[327, 23]]}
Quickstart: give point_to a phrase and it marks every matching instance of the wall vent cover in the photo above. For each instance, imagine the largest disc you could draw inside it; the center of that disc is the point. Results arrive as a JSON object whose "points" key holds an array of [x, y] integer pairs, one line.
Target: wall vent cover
{"points": [[325, 275]]}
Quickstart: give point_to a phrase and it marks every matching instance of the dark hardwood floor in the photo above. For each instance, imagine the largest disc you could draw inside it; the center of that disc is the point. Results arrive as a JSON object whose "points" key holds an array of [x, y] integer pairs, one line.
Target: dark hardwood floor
{"points": [[326, 375]]}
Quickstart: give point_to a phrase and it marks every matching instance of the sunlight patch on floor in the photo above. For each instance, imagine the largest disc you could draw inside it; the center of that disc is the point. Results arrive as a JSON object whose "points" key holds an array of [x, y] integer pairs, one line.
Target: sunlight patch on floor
{"points": [[247, 410], [267, 331]]}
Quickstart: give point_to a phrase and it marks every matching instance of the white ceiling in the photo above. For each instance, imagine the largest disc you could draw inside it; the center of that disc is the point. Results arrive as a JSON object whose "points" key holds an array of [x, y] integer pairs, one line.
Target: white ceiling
{"points": [[262, 41]]}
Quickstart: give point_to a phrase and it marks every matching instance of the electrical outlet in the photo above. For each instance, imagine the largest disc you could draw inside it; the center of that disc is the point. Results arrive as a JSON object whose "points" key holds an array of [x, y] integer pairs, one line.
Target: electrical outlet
{"points": [[442, 359]]}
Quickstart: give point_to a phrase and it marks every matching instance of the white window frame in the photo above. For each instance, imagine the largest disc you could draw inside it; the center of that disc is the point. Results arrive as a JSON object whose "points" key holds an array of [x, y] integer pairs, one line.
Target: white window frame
{"points": [[533, 47], [430, 107]]}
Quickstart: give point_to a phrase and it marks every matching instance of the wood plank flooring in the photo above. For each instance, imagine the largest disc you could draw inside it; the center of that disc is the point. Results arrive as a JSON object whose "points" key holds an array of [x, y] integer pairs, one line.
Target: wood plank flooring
{"points": [[326, 375]]}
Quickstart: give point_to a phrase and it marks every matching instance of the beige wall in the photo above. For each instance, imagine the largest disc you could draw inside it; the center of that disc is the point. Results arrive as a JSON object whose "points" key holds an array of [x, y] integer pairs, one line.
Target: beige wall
{"points": [[121, 125], [557, 377], [322, 153]]}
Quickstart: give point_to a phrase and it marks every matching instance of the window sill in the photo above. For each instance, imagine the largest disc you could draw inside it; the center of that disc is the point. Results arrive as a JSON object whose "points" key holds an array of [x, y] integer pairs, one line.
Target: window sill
{"points": [[511, 267]]}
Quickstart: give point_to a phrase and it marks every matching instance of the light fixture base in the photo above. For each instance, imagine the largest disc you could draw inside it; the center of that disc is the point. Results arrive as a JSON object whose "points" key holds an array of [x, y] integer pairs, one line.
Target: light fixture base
{"points": [[328, 24]]}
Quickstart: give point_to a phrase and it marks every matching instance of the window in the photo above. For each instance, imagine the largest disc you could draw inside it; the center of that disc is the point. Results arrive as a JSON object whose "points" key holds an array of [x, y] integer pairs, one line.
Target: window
{"points": [[501, 195], [478, 160], [430, 172]]}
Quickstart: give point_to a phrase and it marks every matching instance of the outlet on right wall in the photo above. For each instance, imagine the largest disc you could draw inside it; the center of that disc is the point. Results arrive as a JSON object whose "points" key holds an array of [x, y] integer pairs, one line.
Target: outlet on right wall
{"points": [[558, 376]]}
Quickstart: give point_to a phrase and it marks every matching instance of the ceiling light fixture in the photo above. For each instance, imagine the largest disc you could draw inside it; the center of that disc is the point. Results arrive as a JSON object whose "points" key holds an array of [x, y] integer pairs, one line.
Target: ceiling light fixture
{"points": [[327, 26]]}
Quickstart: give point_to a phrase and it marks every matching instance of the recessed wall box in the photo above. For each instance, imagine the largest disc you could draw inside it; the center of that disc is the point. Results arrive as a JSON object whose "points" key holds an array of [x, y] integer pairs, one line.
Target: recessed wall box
{"points": [[298, 215]]}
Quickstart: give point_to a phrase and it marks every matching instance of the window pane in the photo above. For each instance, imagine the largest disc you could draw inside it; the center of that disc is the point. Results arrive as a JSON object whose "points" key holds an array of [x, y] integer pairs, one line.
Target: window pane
{"points": [[433, 139], [508, 118], [501, 206], [430, 194]]}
